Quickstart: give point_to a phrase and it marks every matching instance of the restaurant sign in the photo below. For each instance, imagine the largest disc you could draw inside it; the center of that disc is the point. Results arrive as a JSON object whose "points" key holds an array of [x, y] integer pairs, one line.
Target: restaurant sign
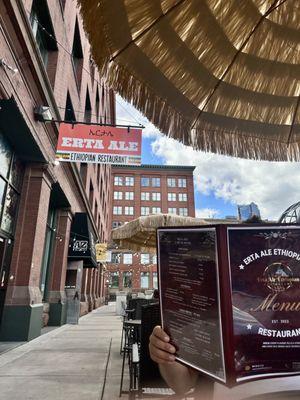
{"points": [[101, 252], [99, 144]]}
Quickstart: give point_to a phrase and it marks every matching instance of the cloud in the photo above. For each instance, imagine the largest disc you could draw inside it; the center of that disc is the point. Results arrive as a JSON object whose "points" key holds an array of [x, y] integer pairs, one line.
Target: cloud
{"points": [[207, 213], [274, 186], [127, 114]]}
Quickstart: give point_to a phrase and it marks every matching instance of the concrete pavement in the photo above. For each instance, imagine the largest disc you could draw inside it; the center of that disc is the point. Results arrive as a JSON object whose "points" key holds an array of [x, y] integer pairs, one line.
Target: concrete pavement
{"points": [[69, 363], [78, 362]]}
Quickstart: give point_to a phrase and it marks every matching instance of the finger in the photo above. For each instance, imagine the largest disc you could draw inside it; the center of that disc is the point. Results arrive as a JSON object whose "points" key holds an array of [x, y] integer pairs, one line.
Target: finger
{"points": [[160, 355], [160, 333], [159, 344]]}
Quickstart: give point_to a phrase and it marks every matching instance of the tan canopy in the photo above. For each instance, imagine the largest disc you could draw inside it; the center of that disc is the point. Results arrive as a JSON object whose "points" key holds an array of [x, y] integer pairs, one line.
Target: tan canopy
{"points": [[221, 76], [140, 233]]}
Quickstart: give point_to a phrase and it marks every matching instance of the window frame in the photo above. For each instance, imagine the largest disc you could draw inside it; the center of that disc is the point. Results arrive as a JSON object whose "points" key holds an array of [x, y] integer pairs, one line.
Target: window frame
{"points": [[180, 181], [184, 213], [128, 210], [117, 208], [144, 213], [143, 179], [172, 196], [154, 195], [120, 195], [118, 178], [128, 196], [129, 181], [180, 197]]}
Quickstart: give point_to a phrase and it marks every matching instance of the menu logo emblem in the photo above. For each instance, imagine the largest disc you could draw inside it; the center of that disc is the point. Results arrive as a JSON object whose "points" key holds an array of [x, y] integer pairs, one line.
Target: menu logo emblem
{"points": [[278, 277]]}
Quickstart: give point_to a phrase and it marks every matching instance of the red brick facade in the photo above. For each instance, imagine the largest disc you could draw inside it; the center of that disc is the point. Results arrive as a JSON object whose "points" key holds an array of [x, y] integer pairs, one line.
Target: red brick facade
{"points": [[156, 189], [36, 70]]}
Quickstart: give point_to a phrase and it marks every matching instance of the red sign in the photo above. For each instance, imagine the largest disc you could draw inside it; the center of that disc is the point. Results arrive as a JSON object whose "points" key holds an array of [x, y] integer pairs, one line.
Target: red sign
{"points": [[99, 144]]}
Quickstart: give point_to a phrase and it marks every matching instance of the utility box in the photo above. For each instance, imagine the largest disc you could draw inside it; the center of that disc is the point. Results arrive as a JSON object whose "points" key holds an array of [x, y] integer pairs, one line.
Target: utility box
{"points": [[73, 291]]}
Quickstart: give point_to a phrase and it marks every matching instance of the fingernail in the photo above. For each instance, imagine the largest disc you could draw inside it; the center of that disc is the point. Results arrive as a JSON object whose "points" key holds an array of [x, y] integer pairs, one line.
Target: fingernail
{"points": [[172, 349], [166, 338], [171, 358]]}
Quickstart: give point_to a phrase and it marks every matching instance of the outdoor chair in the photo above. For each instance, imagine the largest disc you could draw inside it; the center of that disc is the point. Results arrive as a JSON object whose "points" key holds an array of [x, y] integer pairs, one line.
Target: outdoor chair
{"points": [[150, 383]]}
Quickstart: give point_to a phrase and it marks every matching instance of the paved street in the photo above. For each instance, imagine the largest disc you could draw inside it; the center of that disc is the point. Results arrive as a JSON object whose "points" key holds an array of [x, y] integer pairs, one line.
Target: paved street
{"points": [[78, 362], [69, 363]]}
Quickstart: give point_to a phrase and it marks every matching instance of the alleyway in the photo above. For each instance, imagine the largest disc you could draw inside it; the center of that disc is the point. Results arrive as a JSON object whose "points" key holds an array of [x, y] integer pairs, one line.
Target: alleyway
{"points": [[69, 363]]}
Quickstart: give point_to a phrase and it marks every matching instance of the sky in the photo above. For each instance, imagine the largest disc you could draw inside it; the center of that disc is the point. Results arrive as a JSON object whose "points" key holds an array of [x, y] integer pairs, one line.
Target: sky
{"points": [[221, 182]]}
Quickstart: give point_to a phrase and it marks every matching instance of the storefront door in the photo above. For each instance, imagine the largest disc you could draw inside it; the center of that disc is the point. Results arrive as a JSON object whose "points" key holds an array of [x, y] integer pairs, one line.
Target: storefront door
{"points": [[6, 246]]}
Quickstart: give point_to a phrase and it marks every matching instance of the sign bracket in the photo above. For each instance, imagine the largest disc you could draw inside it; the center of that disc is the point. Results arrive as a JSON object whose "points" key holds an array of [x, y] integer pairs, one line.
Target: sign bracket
{"points": [[140, 126]]}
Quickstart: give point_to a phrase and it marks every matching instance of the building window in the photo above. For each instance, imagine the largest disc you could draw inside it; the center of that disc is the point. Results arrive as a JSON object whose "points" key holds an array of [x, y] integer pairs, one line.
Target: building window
{"points": [[156, 196], [129, 211], [155, 281], [183, 212], [171, 182], [118, 181], [11, 177], [127, 258], [156, 210], [116, 258], [129, 196], [144, 280], [118, 195], [154, 259], [116, 224], [117, 210], [156, 182], [88, 108], [145, 196], [97, 104], [182, 182], [77, 55], [145, 181], [69, 111], [172, 210], [182, 196], [127, 279], [129, 181], [48, 250], [145, 210], [114, 279], [145, 258], [171, 196], [41, 23]]}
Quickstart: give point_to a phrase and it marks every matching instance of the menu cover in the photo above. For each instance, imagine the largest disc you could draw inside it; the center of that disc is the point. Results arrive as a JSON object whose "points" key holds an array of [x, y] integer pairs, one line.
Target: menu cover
{"points": [[230, 299]]}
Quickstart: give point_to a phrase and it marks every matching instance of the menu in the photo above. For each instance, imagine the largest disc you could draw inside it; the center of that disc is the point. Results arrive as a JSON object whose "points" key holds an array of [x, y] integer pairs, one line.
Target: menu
{"points": [[190, 297], [230, 299], [265, 279]]}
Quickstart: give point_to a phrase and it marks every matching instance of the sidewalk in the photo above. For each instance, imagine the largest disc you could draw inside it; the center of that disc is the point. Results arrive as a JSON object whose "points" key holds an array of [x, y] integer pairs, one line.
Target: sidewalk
{"points": [[73, 362], [83, 362]]}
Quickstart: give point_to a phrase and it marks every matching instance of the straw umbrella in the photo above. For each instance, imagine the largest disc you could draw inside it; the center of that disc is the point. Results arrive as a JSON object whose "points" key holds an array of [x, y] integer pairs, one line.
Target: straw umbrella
{"points": [[221, 76], [140, 233]]}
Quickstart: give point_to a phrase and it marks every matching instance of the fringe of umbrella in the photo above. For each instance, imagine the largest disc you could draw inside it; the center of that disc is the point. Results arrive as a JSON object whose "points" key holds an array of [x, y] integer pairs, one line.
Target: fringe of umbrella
{"points": [[204, 136]]}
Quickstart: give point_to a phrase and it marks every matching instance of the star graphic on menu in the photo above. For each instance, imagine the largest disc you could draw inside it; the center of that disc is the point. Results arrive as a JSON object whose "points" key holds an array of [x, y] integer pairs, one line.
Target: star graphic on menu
{"points": [[249, 327], [241, 267]]}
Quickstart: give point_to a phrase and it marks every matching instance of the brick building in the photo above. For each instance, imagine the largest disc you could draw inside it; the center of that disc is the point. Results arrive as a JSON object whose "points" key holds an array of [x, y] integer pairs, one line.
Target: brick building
{"points": [[45, 61], [144, 190]]}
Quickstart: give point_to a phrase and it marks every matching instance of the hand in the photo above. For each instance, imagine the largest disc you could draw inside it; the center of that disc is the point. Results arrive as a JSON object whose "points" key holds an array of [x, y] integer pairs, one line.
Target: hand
{"points": [[161, 351]]}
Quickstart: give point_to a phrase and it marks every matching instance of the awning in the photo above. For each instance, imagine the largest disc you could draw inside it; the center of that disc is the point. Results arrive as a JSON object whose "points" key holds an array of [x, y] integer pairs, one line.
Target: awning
{"points": [[82, 241], [17, 132], [220, 76]]}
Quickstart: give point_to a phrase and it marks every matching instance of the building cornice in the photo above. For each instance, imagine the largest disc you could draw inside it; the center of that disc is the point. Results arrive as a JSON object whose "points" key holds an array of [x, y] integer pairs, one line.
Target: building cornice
{"points": [[154, 166]]}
